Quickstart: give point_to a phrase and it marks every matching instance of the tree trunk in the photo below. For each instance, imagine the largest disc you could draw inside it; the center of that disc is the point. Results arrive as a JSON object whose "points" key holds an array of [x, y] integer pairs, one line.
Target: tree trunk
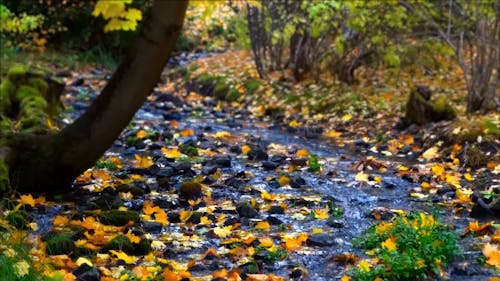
{"points": [[44, 164]]}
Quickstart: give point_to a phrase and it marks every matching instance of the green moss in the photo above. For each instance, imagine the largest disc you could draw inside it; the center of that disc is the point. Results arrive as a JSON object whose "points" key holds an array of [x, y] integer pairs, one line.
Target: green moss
{"points": [[444, 111], [221, 88], [142, 248], [39, 84], [59, 243], [17, 74], [19, 219], [232, 95], [119, 218], [188, 150], [4, 179], [190, 190], [252, 85], [206, 79], [475, 158], [119, 243]]}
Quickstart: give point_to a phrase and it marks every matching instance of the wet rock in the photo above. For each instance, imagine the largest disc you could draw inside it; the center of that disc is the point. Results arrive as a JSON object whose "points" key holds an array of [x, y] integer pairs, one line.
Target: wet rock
{"points": [[220, 161], [388, 184], [119, 218], [190, 191], [165, 172], [208, 170], [276, 210], [87, 273], [106, 201], [165, 203], [297, 274], [299, 162], [183, 168], [278, 158], [297, 181], [195, 217], [246, 211], [321, 240], [257, 153], [335, 223], [269, 165], [235, 149], [135, 190], [152, 227], [78, 82], [174, 217], [234, 182], [274, 220]]}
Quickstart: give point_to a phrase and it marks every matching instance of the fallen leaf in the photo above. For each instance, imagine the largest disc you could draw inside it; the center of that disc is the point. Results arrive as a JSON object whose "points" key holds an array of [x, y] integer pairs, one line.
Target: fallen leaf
{"points": [[431, 153], [302, 153]]}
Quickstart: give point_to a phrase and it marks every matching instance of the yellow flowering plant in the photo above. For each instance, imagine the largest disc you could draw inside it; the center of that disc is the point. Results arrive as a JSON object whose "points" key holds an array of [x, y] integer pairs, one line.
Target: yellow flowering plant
{"points": [[414, 246]]}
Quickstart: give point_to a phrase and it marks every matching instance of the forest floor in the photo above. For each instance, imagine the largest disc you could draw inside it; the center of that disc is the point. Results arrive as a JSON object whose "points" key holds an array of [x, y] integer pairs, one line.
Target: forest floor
{"points": [[222, 176]]}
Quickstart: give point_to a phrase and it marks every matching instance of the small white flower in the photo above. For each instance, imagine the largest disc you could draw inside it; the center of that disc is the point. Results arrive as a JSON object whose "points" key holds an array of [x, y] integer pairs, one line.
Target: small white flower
{"points": [[22, 268]]}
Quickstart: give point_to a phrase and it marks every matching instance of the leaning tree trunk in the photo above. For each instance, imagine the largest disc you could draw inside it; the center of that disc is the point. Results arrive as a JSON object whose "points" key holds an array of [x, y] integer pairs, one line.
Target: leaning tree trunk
{"points": [[44, 164]]}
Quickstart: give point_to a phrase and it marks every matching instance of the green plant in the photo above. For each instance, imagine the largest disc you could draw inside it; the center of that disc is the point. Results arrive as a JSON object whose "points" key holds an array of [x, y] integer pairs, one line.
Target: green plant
{"points": [[313, 163], [410, 248], [15, 259]]}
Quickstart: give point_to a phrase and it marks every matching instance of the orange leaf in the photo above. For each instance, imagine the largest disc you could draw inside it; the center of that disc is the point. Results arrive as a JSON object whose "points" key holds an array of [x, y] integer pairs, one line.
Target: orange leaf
{"points": [[187, 133], [491, 252], [141, 134], [28, 200], [171, 152], [301, 153], [264, 225], [219, 274], [284, 180], [245, 149]]}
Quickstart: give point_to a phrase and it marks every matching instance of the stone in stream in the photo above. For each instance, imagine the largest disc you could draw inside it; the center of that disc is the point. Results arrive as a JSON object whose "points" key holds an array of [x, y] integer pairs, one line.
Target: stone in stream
{"points": [[152, 227], [223, 161], [86, 272], [321, 240], [269, 165], [274, 220], [388, 185], [133, 189], [165, 172], [335, 223], [276, 210], [257, 153], [209, 170], [299, 162], [246, 211], [297, 181], [190, 191], [235, 149], [278, 158]]}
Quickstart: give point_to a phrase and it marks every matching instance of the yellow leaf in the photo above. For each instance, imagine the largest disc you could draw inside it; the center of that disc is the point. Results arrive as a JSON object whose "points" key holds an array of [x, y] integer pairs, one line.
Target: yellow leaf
{"points": [[171, 152], [60, 221], [222, 232], [292, 242], [143, 162], [332, 134], [345, 278], [320, 214], [124, 257], [453, 180], [468, 177], [464, 195], [364, 266], [263, 225], [491, 252], [362, 177], [28, 200], [205, 220], [403, 168], [187, 133], [430, 153], [346, 117], [266, 196], [184, 215], [284, 180], [133, 238], [222, 134], [266, 242], [390, 244], [437, 170], [294, 124], [245, 149], [219, 274], [142, 134], [133, 14], [301, 153], [82, 260]]}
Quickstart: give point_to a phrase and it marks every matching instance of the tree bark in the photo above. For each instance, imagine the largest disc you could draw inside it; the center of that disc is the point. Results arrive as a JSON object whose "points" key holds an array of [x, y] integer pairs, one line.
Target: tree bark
{"points": [[45, 164]]}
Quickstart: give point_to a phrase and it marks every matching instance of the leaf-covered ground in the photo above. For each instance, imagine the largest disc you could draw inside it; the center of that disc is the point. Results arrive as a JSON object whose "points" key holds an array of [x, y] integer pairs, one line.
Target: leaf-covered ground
{"points": [[273, 183]]}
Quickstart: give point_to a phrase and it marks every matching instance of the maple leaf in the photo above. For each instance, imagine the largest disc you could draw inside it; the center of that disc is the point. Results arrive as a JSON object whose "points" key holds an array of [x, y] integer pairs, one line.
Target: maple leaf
{"points": [[431, 153], [346, 117], [294, 124], [292, 242], [332, 134], [320, 214], [27, 200], [264, 225], [266, 242], [141, 134], [245, 149], [437, 170], [171, 152], [124, 257], [60, 221], [222, 134], [362, 177], [364, 266], [301, 153], [389, 244], [284, 180], [221, 274], [222, 232], [266, 196], [187, 133], [143, 162], [491, 252]]}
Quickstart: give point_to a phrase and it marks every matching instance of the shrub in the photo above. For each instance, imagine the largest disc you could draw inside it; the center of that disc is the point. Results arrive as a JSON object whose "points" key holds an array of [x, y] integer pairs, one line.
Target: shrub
{"points": [[410, 248]]}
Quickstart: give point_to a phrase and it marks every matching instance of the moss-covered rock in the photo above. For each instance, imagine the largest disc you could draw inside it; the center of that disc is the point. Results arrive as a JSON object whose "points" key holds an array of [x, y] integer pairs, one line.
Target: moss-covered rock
{"points": [[119, 218], [4, 179], [190, 190], [59, 243], [420, 110], [252, 85], [188, 150], [233, 94], [221, 89], [142, 248], [119, 243]]}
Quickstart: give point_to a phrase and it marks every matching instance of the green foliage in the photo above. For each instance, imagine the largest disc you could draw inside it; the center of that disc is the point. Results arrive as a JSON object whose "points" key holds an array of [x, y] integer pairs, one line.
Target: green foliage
{"points": [[60, 243], [410, 248], [4, 178], [313, 163], [15, 260], [119, 218]]}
